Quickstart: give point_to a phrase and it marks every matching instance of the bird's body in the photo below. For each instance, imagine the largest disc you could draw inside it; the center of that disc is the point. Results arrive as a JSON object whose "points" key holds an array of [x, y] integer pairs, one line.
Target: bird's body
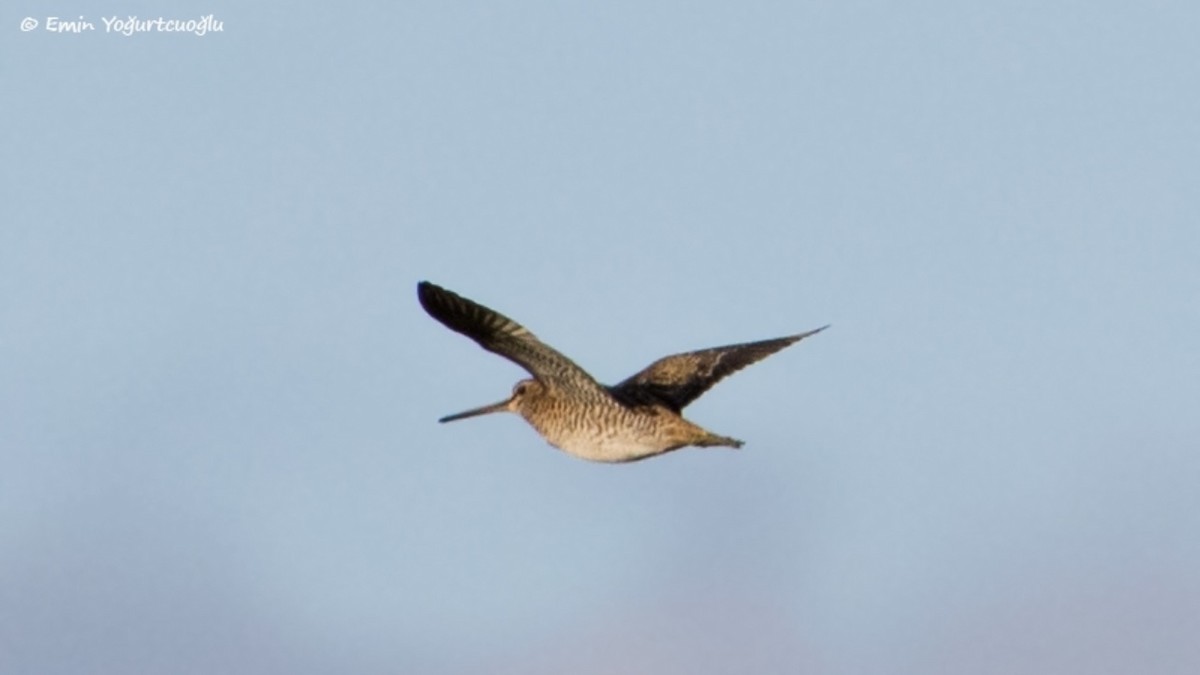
{"points": [[638, 418], [601, 428]]}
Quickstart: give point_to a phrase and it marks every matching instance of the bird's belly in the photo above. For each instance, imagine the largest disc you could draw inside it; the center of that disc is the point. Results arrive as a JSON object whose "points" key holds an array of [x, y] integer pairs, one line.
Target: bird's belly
{"points": [[610, 446]]}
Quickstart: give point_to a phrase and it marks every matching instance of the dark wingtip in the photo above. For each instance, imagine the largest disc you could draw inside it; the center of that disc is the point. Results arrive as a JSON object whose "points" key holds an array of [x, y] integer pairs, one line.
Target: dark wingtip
{"points": [[800, 336], [430, 295]]}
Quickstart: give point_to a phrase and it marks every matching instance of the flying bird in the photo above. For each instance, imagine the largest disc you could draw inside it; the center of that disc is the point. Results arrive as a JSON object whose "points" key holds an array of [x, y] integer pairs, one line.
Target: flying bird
{"points": [[635, 419]]}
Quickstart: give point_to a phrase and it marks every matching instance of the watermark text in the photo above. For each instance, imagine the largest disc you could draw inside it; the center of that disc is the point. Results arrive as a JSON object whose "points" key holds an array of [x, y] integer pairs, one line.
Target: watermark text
{"points": [[127, 26]]}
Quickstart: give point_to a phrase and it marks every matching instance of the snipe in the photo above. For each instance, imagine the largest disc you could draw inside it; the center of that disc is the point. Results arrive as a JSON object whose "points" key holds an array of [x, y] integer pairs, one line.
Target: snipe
{"points": [[638, 418]]}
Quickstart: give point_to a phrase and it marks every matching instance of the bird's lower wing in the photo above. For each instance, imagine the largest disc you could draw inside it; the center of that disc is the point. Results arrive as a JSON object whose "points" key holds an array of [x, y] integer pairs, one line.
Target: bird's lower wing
{"points": [[677, 380]]}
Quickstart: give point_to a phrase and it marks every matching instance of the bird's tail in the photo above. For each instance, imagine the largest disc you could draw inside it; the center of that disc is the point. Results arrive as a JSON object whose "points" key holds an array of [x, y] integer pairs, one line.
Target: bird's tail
{"points": [[715, 441]]}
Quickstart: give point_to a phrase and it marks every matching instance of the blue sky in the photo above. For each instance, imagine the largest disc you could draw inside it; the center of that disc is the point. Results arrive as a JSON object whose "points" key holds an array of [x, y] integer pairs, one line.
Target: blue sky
{"points": [[218, 395]]}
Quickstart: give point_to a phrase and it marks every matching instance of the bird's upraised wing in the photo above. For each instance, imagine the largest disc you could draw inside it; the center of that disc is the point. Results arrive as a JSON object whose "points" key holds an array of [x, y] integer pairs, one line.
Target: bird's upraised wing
{"points": [[677, 380], [501, 335]]}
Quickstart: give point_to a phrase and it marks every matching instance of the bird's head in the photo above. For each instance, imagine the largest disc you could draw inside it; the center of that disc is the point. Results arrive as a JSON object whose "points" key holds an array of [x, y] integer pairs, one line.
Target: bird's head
{"points": [[523, 392]]}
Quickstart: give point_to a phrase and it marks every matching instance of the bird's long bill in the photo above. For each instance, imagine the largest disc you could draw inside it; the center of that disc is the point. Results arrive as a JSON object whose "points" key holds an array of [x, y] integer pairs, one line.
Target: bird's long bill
{"points": [[502, 406]]}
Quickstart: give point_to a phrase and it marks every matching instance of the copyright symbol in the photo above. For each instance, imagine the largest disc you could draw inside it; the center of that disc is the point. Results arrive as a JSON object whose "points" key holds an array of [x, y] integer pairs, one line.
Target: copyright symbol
{"points": [[28, 24]]}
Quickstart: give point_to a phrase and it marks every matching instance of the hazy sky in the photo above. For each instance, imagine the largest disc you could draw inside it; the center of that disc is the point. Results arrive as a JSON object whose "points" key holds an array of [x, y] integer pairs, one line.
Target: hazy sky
{"points": [[218, 394]]}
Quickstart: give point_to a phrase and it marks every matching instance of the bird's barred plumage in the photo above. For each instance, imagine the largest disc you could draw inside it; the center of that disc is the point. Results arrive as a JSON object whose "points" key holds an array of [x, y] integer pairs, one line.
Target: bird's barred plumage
{"points": [[637, 418]]}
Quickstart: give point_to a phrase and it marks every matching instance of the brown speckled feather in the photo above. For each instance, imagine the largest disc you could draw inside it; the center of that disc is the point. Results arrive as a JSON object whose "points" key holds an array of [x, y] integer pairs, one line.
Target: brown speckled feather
{"points": [[677, 380]]}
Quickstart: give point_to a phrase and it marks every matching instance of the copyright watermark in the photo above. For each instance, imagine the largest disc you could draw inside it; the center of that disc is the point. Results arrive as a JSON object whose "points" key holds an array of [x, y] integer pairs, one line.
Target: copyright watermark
{"points": [[127, 26]]}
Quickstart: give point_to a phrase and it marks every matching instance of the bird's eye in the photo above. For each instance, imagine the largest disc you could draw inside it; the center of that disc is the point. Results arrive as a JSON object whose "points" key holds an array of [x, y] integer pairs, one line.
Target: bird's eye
{"points": [[520, 389]]}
